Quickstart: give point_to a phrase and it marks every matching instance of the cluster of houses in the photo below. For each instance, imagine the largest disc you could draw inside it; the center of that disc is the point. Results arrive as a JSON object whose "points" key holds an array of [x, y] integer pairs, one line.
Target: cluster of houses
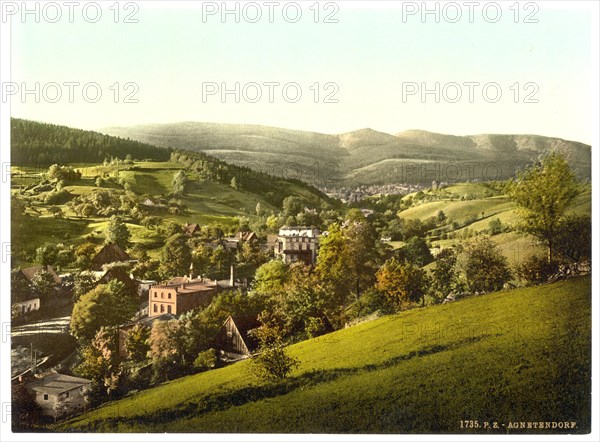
{"points": [[60, 395]]}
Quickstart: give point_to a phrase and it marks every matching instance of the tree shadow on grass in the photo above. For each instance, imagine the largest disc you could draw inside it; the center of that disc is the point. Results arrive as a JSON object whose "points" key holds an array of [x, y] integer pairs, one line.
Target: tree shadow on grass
{"points": [[253, 393]]}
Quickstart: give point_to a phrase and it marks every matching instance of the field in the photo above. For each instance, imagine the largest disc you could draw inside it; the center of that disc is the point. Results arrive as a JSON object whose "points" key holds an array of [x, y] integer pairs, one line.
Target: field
{"points": [[510, 356], [205, 201], [476, 214]]}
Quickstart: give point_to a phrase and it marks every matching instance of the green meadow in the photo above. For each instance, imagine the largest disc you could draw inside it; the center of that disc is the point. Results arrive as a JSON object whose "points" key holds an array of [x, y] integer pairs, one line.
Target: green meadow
{"points": [[512, 356]]}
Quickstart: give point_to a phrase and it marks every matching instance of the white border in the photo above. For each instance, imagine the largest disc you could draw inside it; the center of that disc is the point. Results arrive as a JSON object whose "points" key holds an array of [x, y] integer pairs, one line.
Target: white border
{"points": [[5, 433]]}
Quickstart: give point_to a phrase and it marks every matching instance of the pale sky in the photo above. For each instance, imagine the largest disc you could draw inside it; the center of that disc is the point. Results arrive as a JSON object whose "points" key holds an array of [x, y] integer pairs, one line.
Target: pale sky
{"points": [[370, 56]]}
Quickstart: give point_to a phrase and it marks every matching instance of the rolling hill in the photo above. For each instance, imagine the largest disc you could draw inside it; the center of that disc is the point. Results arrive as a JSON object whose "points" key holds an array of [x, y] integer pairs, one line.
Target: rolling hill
{"points": [[363, 156], [512, 356], [209, 196], [483, 205]]}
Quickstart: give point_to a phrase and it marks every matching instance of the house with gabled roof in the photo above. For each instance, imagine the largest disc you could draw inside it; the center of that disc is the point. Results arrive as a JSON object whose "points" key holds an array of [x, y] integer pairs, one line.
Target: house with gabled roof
{"points": [[191, 229], [108, 254], [29, 272], [121, 275], [235, 339]]}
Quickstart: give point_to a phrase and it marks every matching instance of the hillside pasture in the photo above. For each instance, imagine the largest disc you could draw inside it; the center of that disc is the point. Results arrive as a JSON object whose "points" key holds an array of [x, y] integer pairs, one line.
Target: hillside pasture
{"points": [[505, 357]]}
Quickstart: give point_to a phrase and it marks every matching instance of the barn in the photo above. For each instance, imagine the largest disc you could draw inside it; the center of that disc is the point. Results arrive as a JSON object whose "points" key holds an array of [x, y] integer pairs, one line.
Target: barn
{"points": [[234, 339]]}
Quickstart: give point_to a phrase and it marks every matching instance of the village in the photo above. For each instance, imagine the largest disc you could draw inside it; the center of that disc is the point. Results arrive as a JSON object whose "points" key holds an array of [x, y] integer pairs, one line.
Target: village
{"points": [[130, 274], [61, 395]]}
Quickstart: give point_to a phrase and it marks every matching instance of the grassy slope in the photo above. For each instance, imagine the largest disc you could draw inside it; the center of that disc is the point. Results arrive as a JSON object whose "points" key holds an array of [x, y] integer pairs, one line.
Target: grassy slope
{"points": [[508, 356], [206, 202], [459, 211], [514, 246]]}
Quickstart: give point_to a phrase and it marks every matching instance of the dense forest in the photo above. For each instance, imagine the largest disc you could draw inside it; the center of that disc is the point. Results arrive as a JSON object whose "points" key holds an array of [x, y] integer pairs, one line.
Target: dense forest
{"points": [[42, 144]]}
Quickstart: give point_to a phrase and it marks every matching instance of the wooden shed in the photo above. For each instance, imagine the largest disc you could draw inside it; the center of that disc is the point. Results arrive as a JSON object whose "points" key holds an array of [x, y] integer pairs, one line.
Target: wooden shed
{"points": [[234, 338]]}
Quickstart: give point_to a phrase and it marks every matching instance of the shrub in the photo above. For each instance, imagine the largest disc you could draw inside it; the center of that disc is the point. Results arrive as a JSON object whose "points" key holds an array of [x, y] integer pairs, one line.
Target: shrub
{"points": [[272, 363], [370, 301], [57, 197], [486, 269], [206, 360], [536, 269], [315, 327], [495, 226]]}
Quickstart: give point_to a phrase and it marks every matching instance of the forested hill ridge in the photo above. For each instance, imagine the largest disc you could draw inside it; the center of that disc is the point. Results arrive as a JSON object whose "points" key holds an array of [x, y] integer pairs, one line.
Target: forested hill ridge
{"points": [[364, 156], [39, 144]]}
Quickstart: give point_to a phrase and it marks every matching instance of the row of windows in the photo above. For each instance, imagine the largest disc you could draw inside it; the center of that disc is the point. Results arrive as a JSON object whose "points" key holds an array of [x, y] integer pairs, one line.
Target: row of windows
{"points": [[66, 394], [301, 239], [298, 247], [162, 308], [162, 295]]}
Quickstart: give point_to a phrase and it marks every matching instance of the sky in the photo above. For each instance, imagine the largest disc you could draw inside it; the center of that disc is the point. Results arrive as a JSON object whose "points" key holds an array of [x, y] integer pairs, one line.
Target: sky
{"points": [[360, 65]]}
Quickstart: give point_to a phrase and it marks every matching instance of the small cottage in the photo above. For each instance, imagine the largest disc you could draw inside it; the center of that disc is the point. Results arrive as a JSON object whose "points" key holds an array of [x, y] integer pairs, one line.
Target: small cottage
{"points": [[235, 339], [59, 395], [191, 229]]}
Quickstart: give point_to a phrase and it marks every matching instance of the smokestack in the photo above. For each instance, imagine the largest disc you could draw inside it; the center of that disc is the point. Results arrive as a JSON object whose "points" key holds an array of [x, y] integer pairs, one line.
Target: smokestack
{"points": [[231, 277]]}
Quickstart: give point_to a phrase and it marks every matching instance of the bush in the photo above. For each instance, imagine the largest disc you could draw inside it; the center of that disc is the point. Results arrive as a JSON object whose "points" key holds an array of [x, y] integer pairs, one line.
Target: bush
{"points": [[139, 377], [369, 302], [315, 327], [486, 269], [536, 269], [206, 360], [574, 239], [57, 197], [272, 363], [495, 226]]}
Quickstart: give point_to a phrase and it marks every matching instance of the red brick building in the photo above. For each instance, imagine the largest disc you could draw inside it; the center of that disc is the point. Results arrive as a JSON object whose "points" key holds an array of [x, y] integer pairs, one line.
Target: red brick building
{"points": [[180, 295]]}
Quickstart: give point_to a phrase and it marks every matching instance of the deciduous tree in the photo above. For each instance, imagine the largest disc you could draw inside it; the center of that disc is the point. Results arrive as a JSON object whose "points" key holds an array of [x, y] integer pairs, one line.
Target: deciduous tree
{"points": [[104, 306], [543, 193], [486, 269], [402, 283], [117, 232]]}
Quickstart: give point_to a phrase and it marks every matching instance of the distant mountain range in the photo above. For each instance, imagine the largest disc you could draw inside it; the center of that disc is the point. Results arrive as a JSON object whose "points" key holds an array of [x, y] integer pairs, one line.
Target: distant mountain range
{"points": [[364, 156]]}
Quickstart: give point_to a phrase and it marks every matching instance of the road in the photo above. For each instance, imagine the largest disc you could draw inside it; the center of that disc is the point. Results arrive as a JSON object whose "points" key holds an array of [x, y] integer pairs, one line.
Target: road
{"points": [[57, 326]]}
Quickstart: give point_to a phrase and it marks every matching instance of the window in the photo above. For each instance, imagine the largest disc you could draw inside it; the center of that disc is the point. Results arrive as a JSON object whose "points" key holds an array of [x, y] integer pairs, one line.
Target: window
{"points": [[162, 308], [169, 295], [155, 308], [155, 294], [169, 309], [45, 397], [162, 295]]}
